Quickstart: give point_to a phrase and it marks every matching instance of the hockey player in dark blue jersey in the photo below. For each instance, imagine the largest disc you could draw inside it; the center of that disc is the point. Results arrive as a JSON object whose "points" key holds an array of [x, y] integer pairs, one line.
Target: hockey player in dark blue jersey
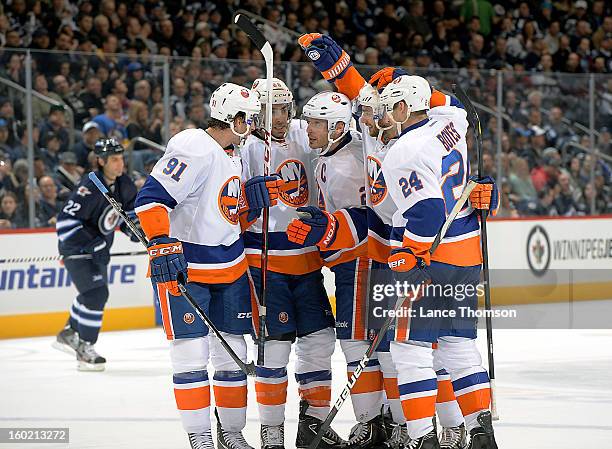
{"points": [[86, 225]]}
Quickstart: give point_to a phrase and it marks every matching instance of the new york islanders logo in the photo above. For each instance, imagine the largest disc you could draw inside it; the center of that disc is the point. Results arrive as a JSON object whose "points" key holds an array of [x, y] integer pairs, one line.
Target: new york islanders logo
{"points": [[295, 191], [228, 199], [378, 187]]}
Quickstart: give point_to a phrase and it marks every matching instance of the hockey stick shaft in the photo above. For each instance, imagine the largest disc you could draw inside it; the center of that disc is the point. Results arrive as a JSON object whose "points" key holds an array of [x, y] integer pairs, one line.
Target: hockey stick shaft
{"points": [[266, 50], [346, 391], [71, 257], [475, 122], [248, 369]]}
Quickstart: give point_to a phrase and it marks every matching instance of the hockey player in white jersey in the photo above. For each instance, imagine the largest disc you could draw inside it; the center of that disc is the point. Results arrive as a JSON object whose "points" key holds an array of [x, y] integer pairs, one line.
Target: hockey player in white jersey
{"points": [[380, 210], [341, 184], [189, 210], [297, 305], [426, 170]]}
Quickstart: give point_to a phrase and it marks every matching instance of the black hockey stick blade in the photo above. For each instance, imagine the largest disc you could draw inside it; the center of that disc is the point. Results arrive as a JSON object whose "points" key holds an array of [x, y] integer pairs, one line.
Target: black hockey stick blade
{"points": [[251, 30], [469, 107]]}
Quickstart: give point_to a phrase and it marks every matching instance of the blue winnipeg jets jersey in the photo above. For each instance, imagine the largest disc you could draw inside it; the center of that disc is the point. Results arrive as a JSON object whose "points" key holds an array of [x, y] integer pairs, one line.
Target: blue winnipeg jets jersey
{"points": [[87, 215]]}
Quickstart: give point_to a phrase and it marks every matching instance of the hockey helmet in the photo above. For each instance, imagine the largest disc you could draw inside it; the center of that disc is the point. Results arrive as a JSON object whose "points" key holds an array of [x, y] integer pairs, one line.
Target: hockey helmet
{"points": [[414, 90], [107, 146], [229, 99]]}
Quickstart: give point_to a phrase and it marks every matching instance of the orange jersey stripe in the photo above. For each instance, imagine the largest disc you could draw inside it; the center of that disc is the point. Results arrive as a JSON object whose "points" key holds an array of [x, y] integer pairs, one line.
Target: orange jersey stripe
{"points": [[361, 293], [419, 408], [155, 221], [391, 387], [351, 83], [218, 276], [230, 397], [445, 391], [351, 254], [193, 398], [463, 253], [474, 401], [164, 306], [289, 264], [378, 251], [271, 394], [316, 396], [368, 382]]}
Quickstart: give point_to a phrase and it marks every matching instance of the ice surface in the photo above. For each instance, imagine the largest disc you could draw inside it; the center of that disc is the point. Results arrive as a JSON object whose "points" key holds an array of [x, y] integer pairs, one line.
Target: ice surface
{"points": [[554, 391]]}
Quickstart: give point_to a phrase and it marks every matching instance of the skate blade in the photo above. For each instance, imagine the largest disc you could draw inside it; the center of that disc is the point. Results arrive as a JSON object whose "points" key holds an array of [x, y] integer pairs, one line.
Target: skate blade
{"points": [[63, 347], [84, 366]]}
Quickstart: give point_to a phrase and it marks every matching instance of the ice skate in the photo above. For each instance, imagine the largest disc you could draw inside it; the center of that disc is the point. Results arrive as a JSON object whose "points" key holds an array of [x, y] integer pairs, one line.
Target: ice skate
{"points": [[272, 437], [453, 437], [202, 440], [67, 340], [308, 427], [230, 440], [482, 436], [368, 434], [88, 358], [427, 441]]}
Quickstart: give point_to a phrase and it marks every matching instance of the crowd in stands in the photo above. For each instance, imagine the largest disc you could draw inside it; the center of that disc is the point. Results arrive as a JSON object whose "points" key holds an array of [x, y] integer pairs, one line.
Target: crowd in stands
{"points": [[98, 65]]}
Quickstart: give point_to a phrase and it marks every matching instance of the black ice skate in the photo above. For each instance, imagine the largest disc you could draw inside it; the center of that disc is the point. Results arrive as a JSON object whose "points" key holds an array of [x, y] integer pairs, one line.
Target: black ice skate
{"points": [[482, 437], [230, 440], [272, 437], [399, 437], [202, 440], [88, 358], [308, 427], [67, 340], [428, 441], [367, 435], [453, 437]]}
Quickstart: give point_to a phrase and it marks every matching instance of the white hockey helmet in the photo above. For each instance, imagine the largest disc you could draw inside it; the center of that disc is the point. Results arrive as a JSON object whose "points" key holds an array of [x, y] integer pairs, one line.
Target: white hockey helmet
{"points": [[414, 90], [280, 95], [230, 99], [333, 107], [369, 97]]}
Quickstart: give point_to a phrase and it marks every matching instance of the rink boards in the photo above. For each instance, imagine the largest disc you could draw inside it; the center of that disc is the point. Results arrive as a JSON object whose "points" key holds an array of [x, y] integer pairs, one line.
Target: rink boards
{"points": [[531, 261]]}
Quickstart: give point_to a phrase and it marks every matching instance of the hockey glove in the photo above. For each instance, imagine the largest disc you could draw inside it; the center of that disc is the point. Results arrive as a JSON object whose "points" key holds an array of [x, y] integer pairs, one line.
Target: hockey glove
{"points": [[408, 268], [485, 195], [384, 76], [326, 55], [98, 250], [319, 229], [257, 193], [167, 262]]}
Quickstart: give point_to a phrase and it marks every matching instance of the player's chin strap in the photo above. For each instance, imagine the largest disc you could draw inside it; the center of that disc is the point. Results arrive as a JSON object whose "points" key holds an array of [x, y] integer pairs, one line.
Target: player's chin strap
{"points": [[398, 124], [331, 141]]}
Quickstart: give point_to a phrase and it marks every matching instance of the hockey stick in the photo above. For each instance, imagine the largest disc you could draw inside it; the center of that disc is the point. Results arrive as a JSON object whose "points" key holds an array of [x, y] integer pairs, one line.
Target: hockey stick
{"points": [[475, 122], [266, 50], [346, 391], [71, 257], [246, 368]]}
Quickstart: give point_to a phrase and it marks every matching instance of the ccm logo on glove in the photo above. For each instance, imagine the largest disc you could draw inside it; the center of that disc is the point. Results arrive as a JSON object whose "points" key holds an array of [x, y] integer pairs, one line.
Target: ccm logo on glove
{"points": [[166, 250]]}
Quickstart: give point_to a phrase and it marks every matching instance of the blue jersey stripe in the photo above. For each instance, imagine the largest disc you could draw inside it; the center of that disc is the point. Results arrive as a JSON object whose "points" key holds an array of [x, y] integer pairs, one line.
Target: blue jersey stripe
{"points": [[426, 217], [212, 254], [153, 192]]}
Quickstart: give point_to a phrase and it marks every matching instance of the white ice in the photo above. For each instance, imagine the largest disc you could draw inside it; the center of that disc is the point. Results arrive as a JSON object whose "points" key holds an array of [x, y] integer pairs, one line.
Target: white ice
{"points": [[554, 391]]}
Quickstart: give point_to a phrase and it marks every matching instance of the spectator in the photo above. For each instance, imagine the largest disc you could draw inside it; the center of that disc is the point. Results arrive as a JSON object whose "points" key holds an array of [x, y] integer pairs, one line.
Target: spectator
{"points": [[520, 181], [564, 199], [40, 107], [482, 9], [50, 150], [89, 134], [68, 173], [92, 96], [77, 106], [55, 126], [49, 205], [8, 180], [9, 213], [112, 121]]}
